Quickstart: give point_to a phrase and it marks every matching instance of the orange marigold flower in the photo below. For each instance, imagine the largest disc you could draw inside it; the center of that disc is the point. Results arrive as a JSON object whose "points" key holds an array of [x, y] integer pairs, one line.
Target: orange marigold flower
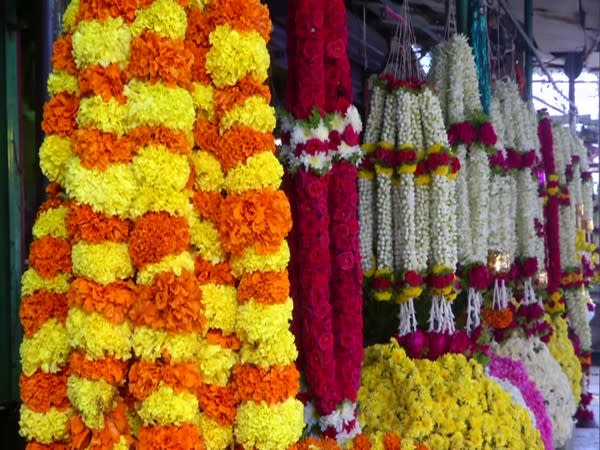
{"points": [[52, 203], [208, 205], [83, 224], [62, 55], [145, 377], [361, 442], [172, 303], [218, 403], [107, 82], [236, 145], [421, 446], [40, 307], [228, 98], [311, 443], [497, 318], [49, 256], [392, 441], [156, 235], [274, 385], [115, 426], [175, 140], [261, 219], [60, 114], [155, 58], [109, 369], [207, 272], [33, 445], [243, 15], [216, 337], [183, 437], [42, 391], [264, 287], [113, 301], [103, 9]]}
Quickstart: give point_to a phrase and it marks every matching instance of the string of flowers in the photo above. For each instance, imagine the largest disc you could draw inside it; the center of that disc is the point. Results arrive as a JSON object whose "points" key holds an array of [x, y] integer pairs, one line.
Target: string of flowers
{"points": [[443, 169], [321, 152], [563, 351], [46, 410]]}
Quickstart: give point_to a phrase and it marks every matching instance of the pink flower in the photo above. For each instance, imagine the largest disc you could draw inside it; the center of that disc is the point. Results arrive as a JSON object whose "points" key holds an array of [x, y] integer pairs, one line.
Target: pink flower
{"points": [[487, 134]]}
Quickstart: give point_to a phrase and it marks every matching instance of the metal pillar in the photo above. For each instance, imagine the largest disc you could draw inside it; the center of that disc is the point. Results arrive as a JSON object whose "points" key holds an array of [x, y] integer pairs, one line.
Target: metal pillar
{"points": [[462, 17], [573, 67], [528, 13], [11, 202]]}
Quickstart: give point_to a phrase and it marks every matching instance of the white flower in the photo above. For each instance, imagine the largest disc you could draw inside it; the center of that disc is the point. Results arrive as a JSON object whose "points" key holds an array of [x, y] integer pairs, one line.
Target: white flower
{"points": [[353, 118], [465, 251], [366, 197], [373, 126], [577, 314], [321, 132]]}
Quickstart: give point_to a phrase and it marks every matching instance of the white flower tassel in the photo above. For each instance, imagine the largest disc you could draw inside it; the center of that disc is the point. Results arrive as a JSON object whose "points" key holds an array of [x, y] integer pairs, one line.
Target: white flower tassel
{"points": [[474, 303], [529, 297], [500, 297], [408, 318], [441, 317]]}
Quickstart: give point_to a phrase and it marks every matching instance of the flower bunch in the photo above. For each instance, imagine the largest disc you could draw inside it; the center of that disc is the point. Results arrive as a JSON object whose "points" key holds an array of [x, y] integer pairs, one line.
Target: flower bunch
{"points": [[549, 378], [515, 372], [46, 410], [379, 441], [563, 351], [406, 396], [327, 274]]}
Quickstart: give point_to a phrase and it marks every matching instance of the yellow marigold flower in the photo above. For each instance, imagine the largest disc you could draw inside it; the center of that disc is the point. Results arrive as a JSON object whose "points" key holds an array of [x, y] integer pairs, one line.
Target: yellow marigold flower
{"points": [[164, 17], [48, 349], [167, 407], [562, 349], [257, 172], [250, 261], [31, 282], [269, 427], [101, 42], [209, 175], [150, 198], [107, 116], [204, 101], [215, 436], [248, 50], [103, 263], [216, 363], [122, 444], [159, 105], [278, 349], [205, 236], [109, 191], [220, 305], [51, 223], [149, 343], [157, 167], [97, 336], [257, 322], [46, 427], [170, 263], [254, 113], [61, 81], [92, 399], [69, 18], [55, 154]]}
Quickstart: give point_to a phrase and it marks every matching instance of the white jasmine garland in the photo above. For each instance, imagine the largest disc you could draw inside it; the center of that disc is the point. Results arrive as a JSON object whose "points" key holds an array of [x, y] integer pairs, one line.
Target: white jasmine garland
{"points": [[463, 212], [434, 132], [385, 257], [387, 135], [440, 75], [577, 313], [366, 218], [478, 173], [468, 69], [375, 117], [549, 378], [422, 238], [456, 88]]}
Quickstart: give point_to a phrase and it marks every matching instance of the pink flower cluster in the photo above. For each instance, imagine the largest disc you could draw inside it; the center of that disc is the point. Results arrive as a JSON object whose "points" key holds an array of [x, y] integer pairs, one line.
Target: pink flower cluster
{"points": [[515, 372]]}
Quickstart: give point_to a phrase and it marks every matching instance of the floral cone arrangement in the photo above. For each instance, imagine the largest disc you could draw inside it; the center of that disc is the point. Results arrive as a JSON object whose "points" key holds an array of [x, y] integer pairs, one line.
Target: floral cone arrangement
{"points": [[172, 276], [321, 151]]}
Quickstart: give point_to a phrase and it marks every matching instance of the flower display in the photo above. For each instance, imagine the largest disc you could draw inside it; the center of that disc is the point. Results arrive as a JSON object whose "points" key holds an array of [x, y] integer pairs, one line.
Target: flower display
{"points": [[550, 380], [321, 151], [563, 351], [514, 372], [403, 395]]}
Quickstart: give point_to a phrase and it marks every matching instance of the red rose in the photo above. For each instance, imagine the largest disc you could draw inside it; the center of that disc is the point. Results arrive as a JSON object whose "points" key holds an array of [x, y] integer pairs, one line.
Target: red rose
{"points": [[437, 345], [529, 267], [342, 104], [381, 284], [351, 137], [487, 135], [325, 341], [528, 159], [345, 260], [455, 164], [314, 146], [413, 278], [336, 49], [478, 277], [513, 159], [459, 342], [415, 343], [461, 133], [421, 169], [405, 156], [335, 139], [299, 149], [385, 157]]}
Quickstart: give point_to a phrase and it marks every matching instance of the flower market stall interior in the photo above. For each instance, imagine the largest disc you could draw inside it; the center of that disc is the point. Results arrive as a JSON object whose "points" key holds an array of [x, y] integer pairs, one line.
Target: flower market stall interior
{"points": [[299, 224]]}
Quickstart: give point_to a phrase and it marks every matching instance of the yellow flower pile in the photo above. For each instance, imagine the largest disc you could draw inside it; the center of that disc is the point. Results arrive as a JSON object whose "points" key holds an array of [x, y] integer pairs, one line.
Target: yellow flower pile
{"points": [[447, 404], [562, 349]]}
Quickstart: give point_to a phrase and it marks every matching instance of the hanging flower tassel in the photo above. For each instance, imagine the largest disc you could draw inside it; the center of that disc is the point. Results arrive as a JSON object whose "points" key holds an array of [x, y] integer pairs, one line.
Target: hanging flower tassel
{"points": [[500, 296], [474, 303], [407, 318], [441, 317]]}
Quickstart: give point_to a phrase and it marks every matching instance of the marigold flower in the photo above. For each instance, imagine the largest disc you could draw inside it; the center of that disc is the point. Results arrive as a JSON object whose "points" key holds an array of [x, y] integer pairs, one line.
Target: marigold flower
{"points": [[49, 256], [39, 307], [207, 272], [145, 377], [264, 287], [273, 385], [84, 224], [42, 391], [62, 55], [218, 403], [60, 114], [107, 82], [177, 437], [109, 369]]}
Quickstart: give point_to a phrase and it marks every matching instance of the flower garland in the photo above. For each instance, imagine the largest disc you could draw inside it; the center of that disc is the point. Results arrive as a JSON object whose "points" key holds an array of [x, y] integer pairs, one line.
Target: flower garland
{"points": [[406, 396], [442, 167], [321, 152], [549, 378], [514, 372], [562, 349], [46, 410]]}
